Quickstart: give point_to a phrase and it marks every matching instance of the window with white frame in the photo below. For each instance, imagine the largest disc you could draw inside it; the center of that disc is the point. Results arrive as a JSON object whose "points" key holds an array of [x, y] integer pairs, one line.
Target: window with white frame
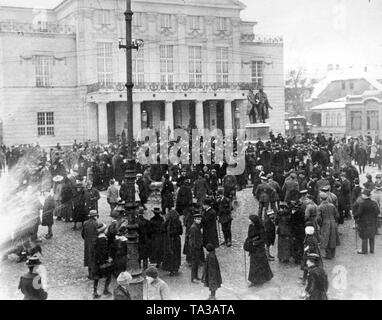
{"points": [[105, 63], [137, 19], [165, 21], [43, 66], [167, 65], [195, 65], [138, 68], [104, 17], [45, 123], [195, 22], [257, 73], [221, 24], [222, 65]]}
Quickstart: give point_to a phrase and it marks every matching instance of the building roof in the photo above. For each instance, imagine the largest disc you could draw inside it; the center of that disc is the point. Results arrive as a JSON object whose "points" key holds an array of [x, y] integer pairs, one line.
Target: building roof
{"points": [[337, 104], [342, 75]]}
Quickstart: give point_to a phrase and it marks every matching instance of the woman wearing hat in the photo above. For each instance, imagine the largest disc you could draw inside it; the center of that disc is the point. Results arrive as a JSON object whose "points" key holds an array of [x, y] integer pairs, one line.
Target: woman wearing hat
{"points": [[31, 284], [121, 292], [259, 270], [318, 283], [157, 238], [172, 228]]}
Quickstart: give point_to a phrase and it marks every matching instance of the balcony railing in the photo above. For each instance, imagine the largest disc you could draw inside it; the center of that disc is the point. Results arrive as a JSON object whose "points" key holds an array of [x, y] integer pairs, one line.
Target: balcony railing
{"points": [[172, 87], [260, 38], [41, 27]]}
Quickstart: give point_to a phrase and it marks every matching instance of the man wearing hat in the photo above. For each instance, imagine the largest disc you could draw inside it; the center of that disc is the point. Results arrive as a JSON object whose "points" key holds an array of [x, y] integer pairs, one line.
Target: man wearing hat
{"points": [[89, 234], [112, 195], [121, 292], [346, 193], [290, 187], [196, 246], [331, 197], [184, 197], [366, 217], [318, 283], [225, 217], [210, 232], [263, 193], [91, 197], [31, 284], [327, 218]]}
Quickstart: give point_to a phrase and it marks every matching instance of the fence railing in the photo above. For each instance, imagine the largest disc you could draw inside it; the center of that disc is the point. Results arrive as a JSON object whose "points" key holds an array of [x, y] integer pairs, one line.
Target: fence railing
{"points": [[40, 27], [173, 87]]}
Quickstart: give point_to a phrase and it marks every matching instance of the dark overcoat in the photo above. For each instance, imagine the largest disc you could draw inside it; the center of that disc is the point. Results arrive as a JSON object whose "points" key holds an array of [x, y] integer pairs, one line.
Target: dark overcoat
{"points": [[184, 198], [213, 278], [367, 218], [284, 232], [145, 241], [89, 234], [210, 232], [172, 244], [317, 284], [157, 239], [167, 194], [327, 219], [259, 270], [195, 243]]}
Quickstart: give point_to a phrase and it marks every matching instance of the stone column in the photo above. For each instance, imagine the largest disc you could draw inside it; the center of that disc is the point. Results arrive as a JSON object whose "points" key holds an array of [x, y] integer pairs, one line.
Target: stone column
{"points": [[199, 118], [169, 115], [228, 114], [102, 123], [137, 120]]}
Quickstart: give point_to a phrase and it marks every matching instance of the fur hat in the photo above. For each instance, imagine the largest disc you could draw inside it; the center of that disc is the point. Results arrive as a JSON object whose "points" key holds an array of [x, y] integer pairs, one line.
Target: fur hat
{"points": [[124, 278]]}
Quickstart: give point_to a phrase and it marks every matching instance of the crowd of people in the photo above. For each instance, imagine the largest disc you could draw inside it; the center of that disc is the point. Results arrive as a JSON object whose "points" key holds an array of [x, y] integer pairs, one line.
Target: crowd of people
{"points": [[304, 188]]}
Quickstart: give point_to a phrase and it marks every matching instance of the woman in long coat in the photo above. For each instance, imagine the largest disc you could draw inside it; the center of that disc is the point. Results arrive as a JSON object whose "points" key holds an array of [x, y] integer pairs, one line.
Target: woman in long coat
{"points": [[327, 219], [212, 275], [167, 194], [172, 243], [157, 238], [284, 231], [259, 270]]}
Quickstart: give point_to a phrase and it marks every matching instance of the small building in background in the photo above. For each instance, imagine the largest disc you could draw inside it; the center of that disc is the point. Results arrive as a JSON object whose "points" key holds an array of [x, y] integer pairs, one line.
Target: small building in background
{"points": [[364, 115], [330, 118]]}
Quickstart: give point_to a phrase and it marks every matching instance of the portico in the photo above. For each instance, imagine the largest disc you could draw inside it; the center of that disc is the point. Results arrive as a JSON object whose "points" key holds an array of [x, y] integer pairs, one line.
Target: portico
{"points": [[186, 114]]}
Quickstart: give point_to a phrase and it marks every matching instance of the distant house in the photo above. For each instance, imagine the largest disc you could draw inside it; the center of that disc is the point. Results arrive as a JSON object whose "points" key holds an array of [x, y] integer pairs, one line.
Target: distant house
{"points": [[330, 117], [364, 114], [341, 83]]}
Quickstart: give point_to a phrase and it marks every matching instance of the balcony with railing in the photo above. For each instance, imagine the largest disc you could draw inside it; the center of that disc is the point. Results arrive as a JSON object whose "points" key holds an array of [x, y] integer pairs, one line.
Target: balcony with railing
{"points": [[261, 38], [171, 87], [39, 27]]}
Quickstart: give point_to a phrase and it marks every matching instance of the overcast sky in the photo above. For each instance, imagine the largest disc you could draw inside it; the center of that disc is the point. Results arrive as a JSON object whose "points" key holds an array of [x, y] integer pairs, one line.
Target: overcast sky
{"points": [[316, 32]]}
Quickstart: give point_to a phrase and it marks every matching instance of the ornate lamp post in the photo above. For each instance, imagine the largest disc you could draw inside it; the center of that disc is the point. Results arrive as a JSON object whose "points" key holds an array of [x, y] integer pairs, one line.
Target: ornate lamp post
{"points": [[130, 206]]}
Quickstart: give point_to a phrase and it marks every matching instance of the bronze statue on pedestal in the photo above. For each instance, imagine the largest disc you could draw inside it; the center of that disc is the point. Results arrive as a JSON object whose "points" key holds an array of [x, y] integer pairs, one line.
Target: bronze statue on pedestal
{"points": [[259, 111]]}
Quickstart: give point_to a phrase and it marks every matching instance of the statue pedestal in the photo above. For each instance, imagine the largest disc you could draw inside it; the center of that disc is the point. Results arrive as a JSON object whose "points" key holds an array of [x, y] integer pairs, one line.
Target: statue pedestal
{"points": [[257, 131]]}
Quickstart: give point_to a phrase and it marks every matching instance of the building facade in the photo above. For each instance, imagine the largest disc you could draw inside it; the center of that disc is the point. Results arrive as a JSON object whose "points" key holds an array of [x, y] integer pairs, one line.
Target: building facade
{"points": [[63, 74], [364, 115]]}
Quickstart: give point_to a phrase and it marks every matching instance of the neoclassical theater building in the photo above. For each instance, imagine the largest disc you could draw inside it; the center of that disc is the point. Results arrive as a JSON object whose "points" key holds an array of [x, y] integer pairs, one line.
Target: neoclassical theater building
{"points": [[62, 74]]}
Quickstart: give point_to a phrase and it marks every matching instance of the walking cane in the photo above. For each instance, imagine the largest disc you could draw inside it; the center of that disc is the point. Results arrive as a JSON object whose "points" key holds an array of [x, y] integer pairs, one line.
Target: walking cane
{"points": [[356, 237], [217, 225]]}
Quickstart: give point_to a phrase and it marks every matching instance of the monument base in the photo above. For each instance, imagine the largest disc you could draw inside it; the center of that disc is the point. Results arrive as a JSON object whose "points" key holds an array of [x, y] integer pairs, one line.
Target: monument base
{"points": [[256, 131]]}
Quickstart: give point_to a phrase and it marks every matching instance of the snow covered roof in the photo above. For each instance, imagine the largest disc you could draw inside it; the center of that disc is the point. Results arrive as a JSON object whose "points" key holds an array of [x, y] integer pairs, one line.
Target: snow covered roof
{"points": [[337, 104], [342, 75]]}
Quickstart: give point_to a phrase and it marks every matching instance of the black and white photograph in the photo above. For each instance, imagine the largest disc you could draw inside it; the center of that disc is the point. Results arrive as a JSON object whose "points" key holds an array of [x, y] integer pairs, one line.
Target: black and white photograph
{"points": [[190, 150]]}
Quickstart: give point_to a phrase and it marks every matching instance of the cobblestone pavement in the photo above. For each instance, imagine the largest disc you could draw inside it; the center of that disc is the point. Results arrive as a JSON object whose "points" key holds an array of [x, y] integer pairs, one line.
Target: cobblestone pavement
{"points": [[351, 276]]}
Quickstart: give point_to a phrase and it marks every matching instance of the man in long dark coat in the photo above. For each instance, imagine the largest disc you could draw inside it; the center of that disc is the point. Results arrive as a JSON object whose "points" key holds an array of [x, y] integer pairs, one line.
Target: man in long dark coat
{"points": [[145, 241], [157, 238], [172, 228], [196, 247], [89, 234], [225, 218], [212, 275], [201, 189], [366, 217], [184, 197], [210, 233]]}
